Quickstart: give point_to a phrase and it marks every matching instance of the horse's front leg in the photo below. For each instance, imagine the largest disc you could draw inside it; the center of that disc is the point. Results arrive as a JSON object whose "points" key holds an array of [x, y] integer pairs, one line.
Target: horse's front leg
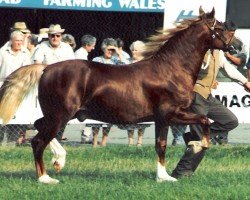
{"points": [[161, 133], [191, 118]]}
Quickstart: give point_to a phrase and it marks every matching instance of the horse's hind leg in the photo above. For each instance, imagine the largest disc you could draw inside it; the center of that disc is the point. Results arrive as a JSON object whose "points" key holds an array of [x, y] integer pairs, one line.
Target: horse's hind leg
{"points": [[161, 132], [59, 155]]}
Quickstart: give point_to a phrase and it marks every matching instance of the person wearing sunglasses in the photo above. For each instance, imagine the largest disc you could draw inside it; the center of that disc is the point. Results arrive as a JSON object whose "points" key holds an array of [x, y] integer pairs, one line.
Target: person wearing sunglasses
{"points": [[53, 50]]}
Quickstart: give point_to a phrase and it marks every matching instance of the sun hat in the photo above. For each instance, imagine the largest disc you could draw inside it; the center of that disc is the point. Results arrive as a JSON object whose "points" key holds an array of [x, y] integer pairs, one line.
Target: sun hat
{"points": [[20, 26], [43, 32], [55, 28]]}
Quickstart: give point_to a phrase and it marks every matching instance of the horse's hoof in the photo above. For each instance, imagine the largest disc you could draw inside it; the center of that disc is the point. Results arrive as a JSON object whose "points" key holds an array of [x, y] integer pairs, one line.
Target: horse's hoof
{"points": [[46, 179], [57, 167], [168, 178]]}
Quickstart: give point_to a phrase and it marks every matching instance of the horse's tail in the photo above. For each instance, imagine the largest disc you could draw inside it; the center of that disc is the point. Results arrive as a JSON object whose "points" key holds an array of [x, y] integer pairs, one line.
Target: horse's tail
{"points": [[15, 87]]}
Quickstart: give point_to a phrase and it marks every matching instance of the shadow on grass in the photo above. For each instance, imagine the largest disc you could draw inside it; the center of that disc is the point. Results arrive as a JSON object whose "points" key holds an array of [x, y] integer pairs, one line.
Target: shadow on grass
{"points": [[90, 175], [26, 174], [98, 175]]}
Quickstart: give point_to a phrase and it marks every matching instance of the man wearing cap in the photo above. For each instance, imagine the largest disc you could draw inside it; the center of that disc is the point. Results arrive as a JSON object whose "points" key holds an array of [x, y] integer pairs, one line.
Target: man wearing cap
{"points": [[53, 50]]}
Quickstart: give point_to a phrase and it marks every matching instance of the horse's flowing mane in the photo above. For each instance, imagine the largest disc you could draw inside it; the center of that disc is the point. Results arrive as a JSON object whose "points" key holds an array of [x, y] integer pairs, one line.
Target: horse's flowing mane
{"points": [[162, 36]]}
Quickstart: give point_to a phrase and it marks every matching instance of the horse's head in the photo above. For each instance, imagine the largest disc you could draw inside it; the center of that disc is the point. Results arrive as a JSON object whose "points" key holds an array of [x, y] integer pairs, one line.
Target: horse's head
{"points": [[222, 34]]}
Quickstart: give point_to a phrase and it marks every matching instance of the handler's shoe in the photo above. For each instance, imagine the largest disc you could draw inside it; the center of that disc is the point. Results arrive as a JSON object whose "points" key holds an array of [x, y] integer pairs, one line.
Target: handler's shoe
{"points": [[181, 175]]}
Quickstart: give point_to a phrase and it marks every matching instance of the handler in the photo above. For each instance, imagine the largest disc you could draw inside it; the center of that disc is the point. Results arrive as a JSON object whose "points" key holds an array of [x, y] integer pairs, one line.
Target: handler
{"points": [[205, 104]]}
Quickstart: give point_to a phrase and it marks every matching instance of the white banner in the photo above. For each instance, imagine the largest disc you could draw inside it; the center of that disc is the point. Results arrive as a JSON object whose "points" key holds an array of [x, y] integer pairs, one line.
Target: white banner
{"points": [[177, 10], [235, 98]]}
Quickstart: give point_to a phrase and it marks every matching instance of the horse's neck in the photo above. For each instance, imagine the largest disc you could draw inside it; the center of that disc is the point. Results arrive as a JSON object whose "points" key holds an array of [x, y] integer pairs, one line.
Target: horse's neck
{"points": [[187, 52]]}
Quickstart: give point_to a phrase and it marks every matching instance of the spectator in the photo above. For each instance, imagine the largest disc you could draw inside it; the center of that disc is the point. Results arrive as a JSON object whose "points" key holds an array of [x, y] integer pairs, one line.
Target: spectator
{"points": [[20, 26], [111, 53], [67, 38], [109, 48], [43, 35], [12, 57], [136, 49], [88, 43], [32, 43], [52, 51], [120, 45], [177, 132]]}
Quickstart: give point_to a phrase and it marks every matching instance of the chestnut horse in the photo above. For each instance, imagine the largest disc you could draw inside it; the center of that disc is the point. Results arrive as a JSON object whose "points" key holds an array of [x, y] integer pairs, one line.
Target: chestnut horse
{"points": [[158, 88]]}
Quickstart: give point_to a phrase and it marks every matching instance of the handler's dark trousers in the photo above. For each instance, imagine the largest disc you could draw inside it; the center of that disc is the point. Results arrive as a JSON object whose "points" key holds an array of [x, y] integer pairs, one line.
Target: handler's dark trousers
{"points": [[224, 121]]}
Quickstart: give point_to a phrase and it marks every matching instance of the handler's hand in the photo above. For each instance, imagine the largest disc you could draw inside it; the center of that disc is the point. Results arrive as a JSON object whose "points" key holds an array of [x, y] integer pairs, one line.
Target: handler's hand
{"points": [[215, 84], [247, 86]]}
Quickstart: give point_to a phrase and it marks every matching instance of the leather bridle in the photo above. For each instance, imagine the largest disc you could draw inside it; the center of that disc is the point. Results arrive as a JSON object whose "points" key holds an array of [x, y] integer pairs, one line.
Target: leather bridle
{"points": [[215, 34]]}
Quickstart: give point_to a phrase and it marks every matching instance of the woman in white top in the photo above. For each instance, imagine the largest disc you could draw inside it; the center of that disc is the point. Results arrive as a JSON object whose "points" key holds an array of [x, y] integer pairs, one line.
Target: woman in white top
{"points": [[88, 44]]}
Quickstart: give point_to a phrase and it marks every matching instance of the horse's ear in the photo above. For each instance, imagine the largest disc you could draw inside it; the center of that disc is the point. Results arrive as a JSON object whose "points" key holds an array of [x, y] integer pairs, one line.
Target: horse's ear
{"points": [[201, 11], [212, 13]]}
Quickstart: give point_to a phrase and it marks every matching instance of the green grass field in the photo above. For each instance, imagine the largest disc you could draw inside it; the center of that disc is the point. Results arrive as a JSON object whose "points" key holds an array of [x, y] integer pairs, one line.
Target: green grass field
{"points": [[121, 172]]}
